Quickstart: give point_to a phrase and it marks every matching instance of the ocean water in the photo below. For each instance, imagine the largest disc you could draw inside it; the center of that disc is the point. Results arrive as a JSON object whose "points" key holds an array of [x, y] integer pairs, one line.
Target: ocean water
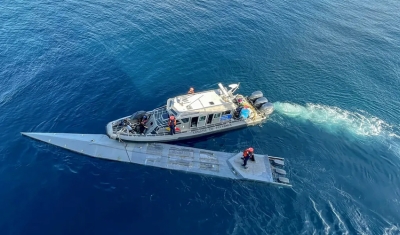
{"points": [[331, 68]]}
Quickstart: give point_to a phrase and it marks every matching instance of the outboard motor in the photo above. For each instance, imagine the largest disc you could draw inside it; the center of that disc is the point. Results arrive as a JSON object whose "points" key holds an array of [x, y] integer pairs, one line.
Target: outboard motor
{"points": [[255, 95], [260, 101], [266, 108]]}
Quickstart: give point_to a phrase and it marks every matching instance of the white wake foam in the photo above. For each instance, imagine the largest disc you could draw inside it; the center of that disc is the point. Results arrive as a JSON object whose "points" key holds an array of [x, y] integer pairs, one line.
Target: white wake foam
{"points": [[335, 119]]}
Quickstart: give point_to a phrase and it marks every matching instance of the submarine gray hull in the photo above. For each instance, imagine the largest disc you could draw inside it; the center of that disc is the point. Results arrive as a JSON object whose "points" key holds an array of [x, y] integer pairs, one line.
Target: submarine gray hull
{"points": [[265, 169]]}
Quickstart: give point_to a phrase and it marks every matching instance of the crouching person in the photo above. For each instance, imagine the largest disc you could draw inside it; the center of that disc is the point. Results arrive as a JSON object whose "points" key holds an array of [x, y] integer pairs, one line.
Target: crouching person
{"points": [[247, 154]]}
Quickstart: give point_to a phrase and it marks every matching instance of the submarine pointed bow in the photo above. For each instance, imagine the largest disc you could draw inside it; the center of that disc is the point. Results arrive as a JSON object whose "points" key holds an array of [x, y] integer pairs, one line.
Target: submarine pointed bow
{"points": [[93, 145], [37, 135], [44, 136]]}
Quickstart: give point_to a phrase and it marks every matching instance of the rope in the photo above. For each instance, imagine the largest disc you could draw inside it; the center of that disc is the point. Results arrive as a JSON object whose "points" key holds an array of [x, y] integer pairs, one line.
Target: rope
{"points": [[126, 145], [255, 140]]}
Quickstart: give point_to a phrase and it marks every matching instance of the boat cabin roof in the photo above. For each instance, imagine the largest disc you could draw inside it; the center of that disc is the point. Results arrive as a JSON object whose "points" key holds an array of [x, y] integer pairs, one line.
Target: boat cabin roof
{"points": [[204, 102]]}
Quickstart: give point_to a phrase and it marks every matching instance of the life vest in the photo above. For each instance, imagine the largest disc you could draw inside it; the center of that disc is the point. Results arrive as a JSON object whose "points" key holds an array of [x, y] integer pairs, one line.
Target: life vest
{"points": [[247, 152], [172, 122]]}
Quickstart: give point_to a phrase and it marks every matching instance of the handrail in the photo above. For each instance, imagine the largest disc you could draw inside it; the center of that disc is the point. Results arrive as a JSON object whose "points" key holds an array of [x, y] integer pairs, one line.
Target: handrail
{"points": [[194, 129]]}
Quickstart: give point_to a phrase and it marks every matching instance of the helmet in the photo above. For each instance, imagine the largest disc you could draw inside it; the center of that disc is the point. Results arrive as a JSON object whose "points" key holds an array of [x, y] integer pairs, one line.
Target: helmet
{"points": [[251, 149], [171, 118], [144, 117]]}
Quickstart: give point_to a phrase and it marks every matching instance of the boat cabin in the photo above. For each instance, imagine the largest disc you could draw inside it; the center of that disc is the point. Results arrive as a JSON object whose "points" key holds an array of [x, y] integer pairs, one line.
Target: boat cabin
{"points": [[196, 114], [194, 111]]}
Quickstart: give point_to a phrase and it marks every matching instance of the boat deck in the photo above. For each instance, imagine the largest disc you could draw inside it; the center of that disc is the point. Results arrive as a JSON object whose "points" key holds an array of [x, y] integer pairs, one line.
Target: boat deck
{"points": [[193, 160]]}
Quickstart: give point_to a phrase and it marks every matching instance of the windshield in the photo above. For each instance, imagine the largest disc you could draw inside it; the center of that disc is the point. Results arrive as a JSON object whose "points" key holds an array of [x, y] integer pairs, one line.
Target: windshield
{"points": [[173, 111]]}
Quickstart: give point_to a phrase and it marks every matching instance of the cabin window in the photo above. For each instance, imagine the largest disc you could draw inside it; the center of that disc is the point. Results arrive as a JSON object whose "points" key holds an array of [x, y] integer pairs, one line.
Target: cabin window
{"points": [[217, 115], [202, 118], [185, 120], [226, 116], [173, 112], [165, 116], [193, 123]]}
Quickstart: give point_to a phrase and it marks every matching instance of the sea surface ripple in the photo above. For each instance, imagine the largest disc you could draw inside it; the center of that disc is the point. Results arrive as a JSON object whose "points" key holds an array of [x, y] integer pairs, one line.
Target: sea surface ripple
{"points": [[331, 69]]}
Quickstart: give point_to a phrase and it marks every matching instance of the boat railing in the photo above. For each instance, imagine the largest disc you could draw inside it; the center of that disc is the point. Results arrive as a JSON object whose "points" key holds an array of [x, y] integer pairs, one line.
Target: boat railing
{"points": [[161, 124], [127, 133], [158, 109]]}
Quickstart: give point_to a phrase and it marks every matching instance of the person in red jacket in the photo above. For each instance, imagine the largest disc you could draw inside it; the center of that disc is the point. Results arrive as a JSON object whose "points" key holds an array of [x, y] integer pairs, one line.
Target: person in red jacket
{"points": [[172, 124], [247, 154]]}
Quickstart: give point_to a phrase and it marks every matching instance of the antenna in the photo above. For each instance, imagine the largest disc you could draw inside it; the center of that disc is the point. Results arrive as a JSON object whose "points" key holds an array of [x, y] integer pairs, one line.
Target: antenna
{"points": [[233, 87], [223, 90]]}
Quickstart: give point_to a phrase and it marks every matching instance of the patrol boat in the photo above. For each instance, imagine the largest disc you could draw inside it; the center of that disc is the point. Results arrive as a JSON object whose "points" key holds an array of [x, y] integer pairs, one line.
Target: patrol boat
{"points": [[196, 115], [265, 169]]}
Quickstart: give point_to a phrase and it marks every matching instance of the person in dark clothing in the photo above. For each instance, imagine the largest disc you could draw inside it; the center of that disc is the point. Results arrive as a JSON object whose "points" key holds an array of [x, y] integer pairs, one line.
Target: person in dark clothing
{"points": [[172, 124], [142, 127], [124, 122], [144, 119], [252, 157], [247, 154]]}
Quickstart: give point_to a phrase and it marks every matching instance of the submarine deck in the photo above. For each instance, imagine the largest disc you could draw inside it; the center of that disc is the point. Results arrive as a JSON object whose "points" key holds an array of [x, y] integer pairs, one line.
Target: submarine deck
{"points": [[167, 156]]}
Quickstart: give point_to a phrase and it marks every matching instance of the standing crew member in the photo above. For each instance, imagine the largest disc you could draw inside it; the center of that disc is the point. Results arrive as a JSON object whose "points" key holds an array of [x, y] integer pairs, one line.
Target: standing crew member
{"points": [[172, 124], [191, 90], [142, 127], [247, 154]]}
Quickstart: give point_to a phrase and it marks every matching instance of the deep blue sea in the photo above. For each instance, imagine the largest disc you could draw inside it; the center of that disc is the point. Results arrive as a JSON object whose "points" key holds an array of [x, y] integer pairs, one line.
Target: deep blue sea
{"points": [[331, 68]]}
